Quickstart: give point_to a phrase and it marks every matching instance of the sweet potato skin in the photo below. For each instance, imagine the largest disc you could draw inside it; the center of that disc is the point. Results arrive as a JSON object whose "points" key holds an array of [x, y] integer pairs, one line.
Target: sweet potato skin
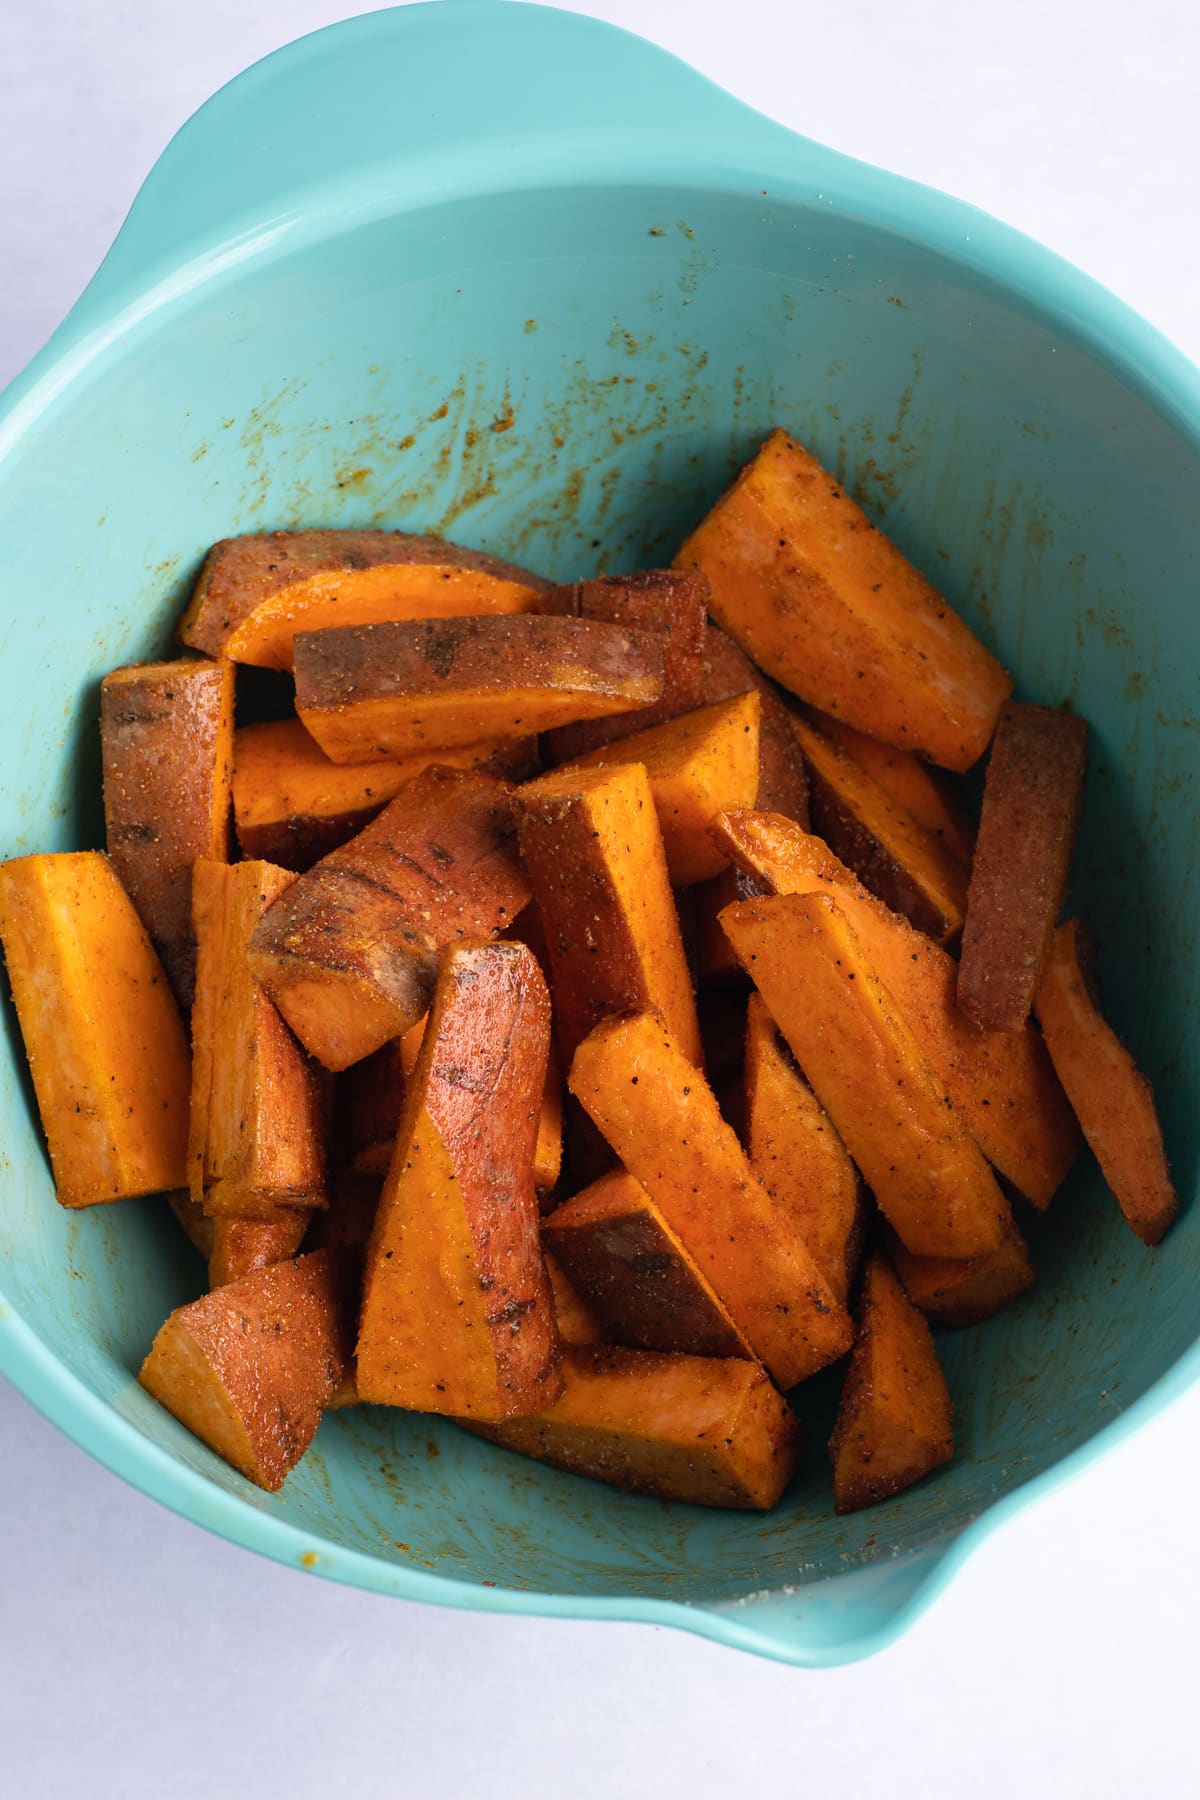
{"points": [[1032, 801], [349, 953], [1111, 1097], [826, 605], [690, 1428], [457, 1315], [166, 739], [966, 1293], [895, 1421], [105, 1044], [388, 691]]}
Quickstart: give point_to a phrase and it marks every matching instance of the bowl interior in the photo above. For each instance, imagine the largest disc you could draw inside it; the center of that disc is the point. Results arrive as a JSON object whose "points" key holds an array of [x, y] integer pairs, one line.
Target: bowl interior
{"points": [[569, 378]]}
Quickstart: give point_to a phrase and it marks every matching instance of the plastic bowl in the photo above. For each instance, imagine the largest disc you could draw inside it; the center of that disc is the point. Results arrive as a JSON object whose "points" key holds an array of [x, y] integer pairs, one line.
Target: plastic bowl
{"points": [[512, 275]]}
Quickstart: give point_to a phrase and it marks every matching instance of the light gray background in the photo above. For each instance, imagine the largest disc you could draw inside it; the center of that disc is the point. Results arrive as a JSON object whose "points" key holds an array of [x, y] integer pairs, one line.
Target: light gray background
{"points": [[140, 1658]]}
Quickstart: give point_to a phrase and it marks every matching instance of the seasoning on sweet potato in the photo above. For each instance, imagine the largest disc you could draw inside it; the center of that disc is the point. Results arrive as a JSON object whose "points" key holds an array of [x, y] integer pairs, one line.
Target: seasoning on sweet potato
{"points": [[457, 1314], [671, 603], [240, 1246], [662, 1119], [255, 592], [1001, 1082], [966, 1293], [925, 793], [869, 1073], [259, 1105], [895, 1420], [194, 1222], [249, 1367], [166, 739], [577, 1323], [349, 952], [827, 605], [782, 781], [386, 691], [1111, 1097], [699, 764], [105, 1044], [795, 1150], [592, 845], [708, 1431], [1032, 800], [635, 1273], [906, 866]]}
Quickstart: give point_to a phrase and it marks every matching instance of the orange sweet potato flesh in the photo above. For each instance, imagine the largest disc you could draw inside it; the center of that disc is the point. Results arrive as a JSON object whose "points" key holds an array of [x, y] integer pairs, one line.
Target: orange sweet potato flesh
{"points": [[1111, 1097], [387, 691], [255, 592], [250, 1366], [1032, 800], [795, 1149], [577, 1323], [828, 606], [782, 780], [1001, 1082], [662, 1119], [166, 739], [698, 1429], [259, 1106], [457, 1313], [349, 952], [910, 869], [923, 792], [635, 1274], [870, 1074], [966, 1293], [106, 1046], [240, 1246], [895, 1421]]}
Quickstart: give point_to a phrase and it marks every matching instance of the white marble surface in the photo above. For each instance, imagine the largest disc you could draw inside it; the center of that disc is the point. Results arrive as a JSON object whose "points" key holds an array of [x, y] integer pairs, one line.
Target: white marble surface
{"points": [[140, 1658]]}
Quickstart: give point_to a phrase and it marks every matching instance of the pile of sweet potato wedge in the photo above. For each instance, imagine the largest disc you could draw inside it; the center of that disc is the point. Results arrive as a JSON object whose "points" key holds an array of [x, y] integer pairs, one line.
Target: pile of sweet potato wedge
{"points": [[606, 1012]]}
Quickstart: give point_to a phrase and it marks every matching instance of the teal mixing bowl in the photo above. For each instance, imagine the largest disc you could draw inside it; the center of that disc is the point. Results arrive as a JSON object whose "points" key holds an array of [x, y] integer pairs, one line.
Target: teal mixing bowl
{"points": [[511, 275]]}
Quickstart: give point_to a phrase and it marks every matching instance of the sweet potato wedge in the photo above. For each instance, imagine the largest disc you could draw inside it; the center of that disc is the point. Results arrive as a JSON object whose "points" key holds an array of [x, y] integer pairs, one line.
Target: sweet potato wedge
{"points": [[166, 739], [906, 866], [389, 691], [457, 1315], [349, 952], [577, 1323], [966, 1293], [635, 1274], [259, 1106], [795, 1150], [1001, 1082], [925, 793], [240, 1246], [662, 1119], [1111, 1097], [699, 764], [690, 1428], [782, 781], [592, 845], [895, 1421], [254, 593], [105, 1044], [869, 1073], [249, 1367], [1032, 800], [827, 605]]}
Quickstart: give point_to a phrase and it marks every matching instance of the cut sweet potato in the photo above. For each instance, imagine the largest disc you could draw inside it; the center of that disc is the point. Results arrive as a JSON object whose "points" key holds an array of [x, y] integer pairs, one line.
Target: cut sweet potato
{"points": [[254, 593], [457, 1314], [690, 1428], [194, 1222], [259, 1105], [662, 1119], [1111, 1097], [249, 1367], [387, 691], [103, 1037], [577, 1323], [925, 793], [966, 1293], [1001, 1082], [905, 865], [349, 952], [591, 842], [635, 1273], [1032, 800], [827, 605], [782, 781], [240, 1246], [166, 737], [699, 764], [869, 1073], [795, 1149], [895, 1421]]}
